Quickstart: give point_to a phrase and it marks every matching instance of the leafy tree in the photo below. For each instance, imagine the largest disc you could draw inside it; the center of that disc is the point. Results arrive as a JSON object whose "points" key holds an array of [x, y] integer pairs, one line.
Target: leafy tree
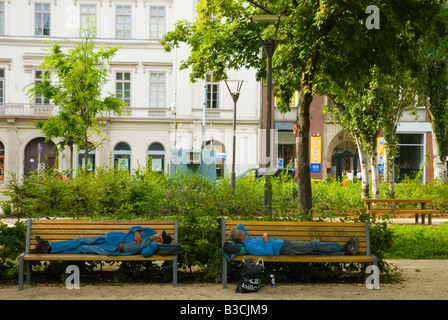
{"points": [[321, 38], [435, 88], [78, 92]]}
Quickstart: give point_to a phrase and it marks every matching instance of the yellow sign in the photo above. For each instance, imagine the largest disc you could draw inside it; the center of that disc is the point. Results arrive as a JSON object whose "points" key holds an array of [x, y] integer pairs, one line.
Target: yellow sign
{"points": [[316, 154]]}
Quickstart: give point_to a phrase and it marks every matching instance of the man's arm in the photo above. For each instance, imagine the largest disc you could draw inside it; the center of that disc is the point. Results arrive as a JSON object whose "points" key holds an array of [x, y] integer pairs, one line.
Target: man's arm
{"points": [[239, 226], [150, 249], [140, 233], [138, 236]]}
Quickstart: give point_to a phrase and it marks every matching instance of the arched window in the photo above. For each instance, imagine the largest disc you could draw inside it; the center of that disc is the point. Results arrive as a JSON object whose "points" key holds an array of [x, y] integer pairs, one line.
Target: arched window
{"points": [[156, 157], [122, 156]]}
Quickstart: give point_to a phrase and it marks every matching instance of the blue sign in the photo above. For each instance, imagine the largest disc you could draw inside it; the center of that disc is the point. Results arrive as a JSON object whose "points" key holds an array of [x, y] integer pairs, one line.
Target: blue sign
{"points": [[315, 167]]}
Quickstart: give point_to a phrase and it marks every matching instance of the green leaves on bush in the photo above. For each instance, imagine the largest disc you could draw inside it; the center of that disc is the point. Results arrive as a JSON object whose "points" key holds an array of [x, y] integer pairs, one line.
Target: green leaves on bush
{"points": [[419, 242]]}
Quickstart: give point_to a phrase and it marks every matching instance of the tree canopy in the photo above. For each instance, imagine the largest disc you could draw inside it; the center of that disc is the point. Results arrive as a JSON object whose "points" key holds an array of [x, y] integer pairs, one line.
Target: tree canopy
{"points": [[77, 90]]}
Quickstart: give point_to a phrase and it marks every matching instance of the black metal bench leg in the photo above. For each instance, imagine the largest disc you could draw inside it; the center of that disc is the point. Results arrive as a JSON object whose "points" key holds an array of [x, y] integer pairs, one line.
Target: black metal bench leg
{"points": [[175, 271], [21, 267], [28, 272], [224, 273]]}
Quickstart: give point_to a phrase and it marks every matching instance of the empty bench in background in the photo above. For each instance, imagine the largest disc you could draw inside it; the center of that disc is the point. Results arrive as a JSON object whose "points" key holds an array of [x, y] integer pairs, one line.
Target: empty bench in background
{"points": [[61, 229], [339, 232], [422, 210]]}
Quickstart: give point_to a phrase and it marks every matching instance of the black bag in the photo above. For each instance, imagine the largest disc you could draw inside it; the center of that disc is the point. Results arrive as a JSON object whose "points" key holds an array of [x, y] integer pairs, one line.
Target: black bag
{"points": [[232, 249], [250, 276], [168, 249]]}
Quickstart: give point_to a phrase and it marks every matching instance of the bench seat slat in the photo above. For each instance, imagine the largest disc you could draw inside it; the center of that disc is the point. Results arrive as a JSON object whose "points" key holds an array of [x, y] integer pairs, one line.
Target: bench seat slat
{"points": [[308, 258], [93, 257]]}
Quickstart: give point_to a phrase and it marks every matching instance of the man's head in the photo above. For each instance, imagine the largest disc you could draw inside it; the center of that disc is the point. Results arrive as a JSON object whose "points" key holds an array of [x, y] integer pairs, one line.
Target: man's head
{"points": [[166, 238], [237, 235], [162, 238]]}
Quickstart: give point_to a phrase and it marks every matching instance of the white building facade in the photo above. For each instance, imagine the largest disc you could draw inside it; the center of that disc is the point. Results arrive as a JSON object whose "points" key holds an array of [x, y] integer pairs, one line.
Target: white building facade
{"points": [[165, 109]]}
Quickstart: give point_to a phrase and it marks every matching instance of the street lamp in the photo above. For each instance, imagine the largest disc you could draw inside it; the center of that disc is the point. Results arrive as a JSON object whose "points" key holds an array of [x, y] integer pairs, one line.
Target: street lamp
{"points": [[269, 47], [235, 95]]}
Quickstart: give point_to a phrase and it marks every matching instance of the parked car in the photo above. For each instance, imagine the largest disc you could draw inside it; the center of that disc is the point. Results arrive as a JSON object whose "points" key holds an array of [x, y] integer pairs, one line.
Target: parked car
{"points": [[261, 172]]}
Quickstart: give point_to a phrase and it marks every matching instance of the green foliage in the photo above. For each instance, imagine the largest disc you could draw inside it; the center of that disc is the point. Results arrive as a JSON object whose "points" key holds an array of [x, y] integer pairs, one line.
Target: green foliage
{"points": [[419, 242], [12, 244], [81, 73]]}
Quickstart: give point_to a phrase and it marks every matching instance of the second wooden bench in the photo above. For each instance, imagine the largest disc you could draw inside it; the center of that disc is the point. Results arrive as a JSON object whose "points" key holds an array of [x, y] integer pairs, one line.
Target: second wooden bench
{"points": [[339, 232], [422, 210]]}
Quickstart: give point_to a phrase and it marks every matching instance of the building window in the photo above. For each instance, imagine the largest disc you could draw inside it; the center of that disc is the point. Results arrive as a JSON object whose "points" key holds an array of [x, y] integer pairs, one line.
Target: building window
{"points": [[39, 99], [156, 22], [88, 15], [123, 22], [122, 156], [2, 86], [157, 90], [410, 156], [123, 86], [212, 92], [90, 166], [42, 19], [2, 18], [156, 157]]}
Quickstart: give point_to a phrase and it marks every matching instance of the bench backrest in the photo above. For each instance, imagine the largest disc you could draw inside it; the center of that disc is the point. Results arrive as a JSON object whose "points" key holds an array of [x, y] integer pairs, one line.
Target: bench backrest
{"points": [[62, 229], [339, 232]]}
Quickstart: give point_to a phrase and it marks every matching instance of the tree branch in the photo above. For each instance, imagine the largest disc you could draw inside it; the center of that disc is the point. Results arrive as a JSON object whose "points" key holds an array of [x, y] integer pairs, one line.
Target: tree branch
{"points": [[261, 7]]}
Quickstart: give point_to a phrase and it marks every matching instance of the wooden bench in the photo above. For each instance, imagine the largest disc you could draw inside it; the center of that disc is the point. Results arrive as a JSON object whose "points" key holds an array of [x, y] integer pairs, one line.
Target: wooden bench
{"points": [[422, 210], [339, 232], [61, 229]]}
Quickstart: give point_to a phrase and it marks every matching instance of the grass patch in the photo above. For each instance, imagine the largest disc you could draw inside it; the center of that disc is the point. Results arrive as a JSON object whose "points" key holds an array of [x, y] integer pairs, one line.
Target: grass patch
{"points": [[419, 242]]}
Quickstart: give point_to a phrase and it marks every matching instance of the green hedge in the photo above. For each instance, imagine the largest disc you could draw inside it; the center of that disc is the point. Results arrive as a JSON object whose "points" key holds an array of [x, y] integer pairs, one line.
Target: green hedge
{"points": [[198, 204]]}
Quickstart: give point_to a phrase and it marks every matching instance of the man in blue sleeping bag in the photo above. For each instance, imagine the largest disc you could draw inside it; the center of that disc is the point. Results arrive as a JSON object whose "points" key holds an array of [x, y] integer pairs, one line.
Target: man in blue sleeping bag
{"points": [[266, 246], [138, 240]]}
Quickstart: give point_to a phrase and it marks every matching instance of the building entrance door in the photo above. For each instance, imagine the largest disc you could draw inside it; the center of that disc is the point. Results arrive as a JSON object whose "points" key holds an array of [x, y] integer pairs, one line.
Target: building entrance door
{"points": [[344, 162], [39, 155]]}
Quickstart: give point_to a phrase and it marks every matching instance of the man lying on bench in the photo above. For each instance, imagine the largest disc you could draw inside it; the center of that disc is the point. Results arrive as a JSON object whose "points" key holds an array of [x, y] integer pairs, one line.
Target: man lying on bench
{"points": [[265, 246], [138, 240]]}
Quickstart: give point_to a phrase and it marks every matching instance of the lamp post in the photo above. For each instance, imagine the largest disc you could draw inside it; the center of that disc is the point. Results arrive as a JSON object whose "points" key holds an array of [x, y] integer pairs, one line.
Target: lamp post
{"points": [[235, 95], [269, 47]]}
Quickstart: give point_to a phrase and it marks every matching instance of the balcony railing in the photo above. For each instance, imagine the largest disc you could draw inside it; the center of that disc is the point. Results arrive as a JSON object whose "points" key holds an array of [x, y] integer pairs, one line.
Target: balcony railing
{"points": [[30, 110], [48, 110]]}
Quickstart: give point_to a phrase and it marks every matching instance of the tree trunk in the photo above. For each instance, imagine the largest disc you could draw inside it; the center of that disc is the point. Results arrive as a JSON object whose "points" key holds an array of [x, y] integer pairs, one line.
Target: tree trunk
{"points": [[86, 152], [71, 157], [389, 167], [303, 153], [440, 169], [363, 157], [374, 168], [305, 197]]}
